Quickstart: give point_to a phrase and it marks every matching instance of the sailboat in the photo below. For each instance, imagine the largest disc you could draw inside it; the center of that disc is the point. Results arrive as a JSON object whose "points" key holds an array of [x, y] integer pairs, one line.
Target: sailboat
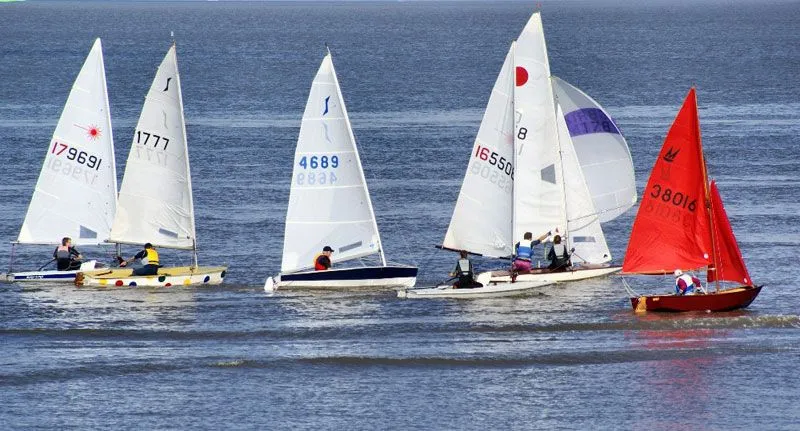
{"points": [[76, 193], [682, 224], [155, 200], [329, 203], [541, 144]]}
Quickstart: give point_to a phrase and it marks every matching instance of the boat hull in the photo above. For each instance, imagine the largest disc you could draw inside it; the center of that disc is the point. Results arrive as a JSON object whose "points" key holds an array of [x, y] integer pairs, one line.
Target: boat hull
{"points": [[348, 278], [544, 275], [166, 277], [724, 300], [495, 290], [50, 276]]}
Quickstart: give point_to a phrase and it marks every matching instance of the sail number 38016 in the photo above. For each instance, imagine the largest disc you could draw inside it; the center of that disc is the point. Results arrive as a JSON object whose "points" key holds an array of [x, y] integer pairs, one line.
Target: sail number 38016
{"points": [[678, 199]]}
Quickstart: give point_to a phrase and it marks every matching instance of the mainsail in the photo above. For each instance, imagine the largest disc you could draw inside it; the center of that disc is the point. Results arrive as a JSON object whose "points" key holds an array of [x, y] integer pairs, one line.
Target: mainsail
{"points": [[155, 201], [603, 153], [481, 221], [539, 203], [329, 203], [672, 227], [729, 263], [76, 194]]}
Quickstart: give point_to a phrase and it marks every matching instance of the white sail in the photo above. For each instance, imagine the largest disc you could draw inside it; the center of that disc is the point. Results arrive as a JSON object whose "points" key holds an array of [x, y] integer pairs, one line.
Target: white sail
{"points": [[155, 201], [329, 203], [584, 233], [602, 151], [481, 221], [539, 204], [75, 195]]}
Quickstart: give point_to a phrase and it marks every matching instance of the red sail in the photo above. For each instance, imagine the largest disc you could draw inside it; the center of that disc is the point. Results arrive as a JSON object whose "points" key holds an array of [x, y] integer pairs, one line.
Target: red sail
{"points": [[672, 228], [730, 265]]}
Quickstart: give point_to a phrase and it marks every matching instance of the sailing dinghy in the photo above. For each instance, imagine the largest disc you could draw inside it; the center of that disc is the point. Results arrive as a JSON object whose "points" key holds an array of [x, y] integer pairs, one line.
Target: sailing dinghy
{"points": [[547, 157], [76, 194], [682, 224], [329, 203], [155, 200]]}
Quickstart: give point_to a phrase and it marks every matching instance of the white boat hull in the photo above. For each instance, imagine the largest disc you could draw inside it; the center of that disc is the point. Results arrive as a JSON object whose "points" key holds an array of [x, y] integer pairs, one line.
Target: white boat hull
{"points": [[49, 276], [376, 277], [166, 277], [493, 290], [578, 273]]}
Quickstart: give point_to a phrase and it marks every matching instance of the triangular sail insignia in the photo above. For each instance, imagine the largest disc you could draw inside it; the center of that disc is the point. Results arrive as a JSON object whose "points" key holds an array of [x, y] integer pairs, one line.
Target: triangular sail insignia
{"points": [[76, 193], [729, 263], [329, 202], [155, 200], [671, 229], [481, 221]]}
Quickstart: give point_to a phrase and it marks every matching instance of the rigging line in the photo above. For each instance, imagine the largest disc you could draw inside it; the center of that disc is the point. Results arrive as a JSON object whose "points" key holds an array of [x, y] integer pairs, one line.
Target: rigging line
{"points": [[628, 288]]}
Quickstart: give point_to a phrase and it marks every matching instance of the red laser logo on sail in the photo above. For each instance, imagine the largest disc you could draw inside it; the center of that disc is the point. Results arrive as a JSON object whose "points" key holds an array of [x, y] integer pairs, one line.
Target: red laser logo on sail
{"points": [[93, 132]]}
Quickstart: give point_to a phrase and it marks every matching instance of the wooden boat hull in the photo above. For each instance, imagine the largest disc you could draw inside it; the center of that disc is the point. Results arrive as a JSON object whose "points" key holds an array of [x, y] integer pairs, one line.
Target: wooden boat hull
{"points": [[166, 277], [51, 276], [724, 300], [495, 290], [347, 278], [547, 276]]}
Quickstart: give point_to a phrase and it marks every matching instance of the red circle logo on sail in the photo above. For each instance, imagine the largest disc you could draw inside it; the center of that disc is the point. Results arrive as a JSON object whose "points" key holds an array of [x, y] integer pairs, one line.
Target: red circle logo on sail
{"points": [[522, 76]]}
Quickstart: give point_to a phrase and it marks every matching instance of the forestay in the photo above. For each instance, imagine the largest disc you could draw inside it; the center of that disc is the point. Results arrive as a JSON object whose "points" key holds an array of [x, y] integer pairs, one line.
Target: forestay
{"points": [[329, 202], [539, 204], [75, 195], [155, 201], [583, 223], [602, 151], [481, 221]]}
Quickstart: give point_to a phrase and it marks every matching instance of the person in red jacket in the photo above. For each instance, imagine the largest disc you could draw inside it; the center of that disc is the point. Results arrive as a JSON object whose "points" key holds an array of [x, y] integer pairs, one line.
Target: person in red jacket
{"points": [[323, 260], [686, 284]]}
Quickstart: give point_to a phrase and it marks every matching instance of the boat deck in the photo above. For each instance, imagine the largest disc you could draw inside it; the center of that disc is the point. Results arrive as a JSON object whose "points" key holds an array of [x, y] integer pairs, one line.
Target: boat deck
{"points": [[178, 271]]}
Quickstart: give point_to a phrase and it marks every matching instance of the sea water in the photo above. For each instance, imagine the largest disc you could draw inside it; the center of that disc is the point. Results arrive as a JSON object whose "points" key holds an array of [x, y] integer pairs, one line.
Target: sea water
{"points": [[416, 77]]}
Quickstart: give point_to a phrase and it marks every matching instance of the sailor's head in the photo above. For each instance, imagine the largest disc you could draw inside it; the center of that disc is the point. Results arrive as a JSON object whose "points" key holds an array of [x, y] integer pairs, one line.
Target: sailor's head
{"points": [[148, 245], [327, 250], [66, 240], [527, 236], [678, 273], [464, 254], [557, 239]]}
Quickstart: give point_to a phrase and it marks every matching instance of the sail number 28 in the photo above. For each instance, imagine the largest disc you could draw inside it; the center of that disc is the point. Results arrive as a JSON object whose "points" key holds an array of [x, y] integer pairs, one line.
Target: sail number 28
{"points": [[675, 198], [315, 164]]}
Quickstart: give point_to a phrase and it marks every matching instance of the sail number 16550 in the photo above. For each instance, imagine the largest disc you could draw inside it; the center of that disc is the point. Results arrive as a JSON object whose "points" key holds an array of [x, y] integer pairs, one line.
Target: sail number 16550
{"points": [[490, 156]]}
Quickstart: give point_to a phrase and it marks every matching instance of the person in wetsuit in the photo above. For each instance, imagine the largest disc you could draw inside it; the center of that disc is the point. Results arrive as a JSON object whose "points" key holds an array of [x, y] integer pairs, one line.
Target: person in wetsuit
{"points": [[67, 257]]}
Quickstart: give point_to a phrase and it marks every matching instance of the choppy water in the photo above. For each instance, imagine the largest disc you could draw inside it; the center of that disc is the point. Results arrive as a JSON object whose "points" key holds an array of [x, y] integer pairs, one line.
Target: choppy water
{"points": [[415, 77]]}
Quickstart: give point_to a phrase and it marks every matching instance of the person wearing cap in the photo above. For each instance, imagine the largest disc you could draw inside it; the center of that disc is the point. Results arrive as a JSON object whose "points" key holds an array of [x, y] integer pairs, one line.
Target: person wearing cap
{"points": [[323, 260], [149, 259], [686, 284]]}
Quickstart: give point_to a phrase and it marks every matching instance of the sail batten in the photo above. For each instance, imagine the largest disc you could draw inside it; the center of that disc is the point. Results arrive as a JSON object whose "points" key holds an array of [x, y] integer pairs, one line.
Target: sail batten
{"points": [[76, 193]]}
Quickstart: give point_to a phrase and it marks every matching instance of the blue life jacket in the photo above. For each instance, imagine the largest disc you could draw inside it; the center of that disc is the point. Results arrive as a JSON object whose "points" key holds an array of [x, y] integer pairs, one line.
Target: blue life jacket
{"points": [[525, 250]]}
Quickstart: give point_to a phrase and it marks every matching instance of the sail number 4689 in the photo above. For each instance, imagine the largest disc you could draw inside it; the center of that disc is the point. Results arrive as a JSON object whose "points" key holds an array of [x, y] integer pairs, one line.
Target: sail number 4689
{"points": [[323, 162], [675, 198]]}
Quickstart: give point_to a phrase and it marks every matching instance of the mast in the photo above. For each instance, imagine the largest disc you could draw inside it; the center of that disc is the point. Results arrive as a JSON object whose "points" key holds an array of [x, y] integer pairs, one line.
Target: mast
{"points": [[707, 196], [561, 161]]}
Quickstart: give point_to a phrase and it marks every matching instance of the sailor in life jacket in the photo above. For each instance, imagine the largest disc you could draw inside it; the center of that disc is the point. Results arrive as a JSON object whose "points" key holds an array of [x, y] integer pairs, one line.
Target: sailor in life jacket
{"points": [[322, 261], [558, 255], [686, 284], [465, 273], [66, 256], [149, 260], [523, 252]]}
